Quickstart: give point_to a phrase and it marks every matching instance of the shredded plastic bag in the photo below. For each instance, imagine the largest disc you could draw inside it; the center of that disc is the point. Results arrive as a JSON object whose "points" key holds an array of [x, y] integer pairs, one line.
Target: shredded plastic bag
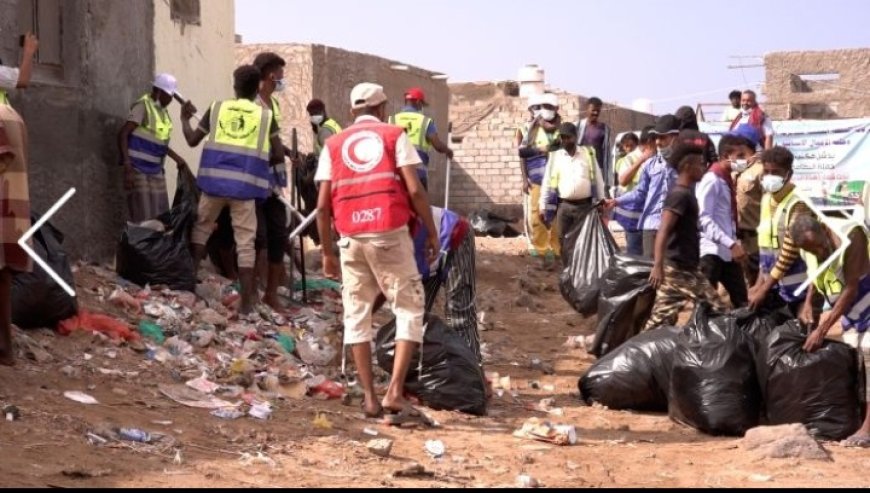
{"points": [[486, 223], [822, 390], [714, 387], [451, 378], [580, 282], [625, 303], [636, 375], [38, 301], [97, 322], [146, 256]]}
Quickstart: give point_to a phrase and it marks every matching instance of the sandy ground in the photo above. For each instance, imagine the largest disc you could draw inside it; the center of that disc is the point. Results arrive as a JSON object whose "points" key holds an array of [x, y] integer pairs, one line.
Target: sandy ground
{"points": [[48, 445]]}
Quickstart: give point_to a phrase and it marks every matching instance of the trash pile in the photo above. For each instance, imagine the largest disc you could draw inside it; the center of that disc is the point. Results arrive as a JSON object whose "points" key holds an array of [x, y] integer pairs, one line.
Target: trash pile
{"points": [[232, 365], [725, 375]]}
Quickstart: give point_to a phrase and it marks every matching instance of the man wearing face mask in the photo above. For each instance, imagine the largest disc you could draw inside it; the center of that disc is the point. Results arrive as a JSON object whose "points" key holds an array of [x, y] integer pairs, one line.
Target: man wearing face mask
{"points": [[421, 130], [656, 179], [322, 125], [143, 142], [747, 179], [845, 283], [535, 141], [272, 230], [572, 185], [781, 264], [721, 252], [752, 115]]}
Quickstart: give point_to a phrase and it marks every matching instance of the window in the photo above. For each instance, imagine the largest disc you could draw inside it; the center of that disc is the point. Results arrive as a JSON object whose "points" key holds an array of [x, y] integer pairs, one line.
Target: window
{"points": [[44, 18], [185, 11], [806, 83]]}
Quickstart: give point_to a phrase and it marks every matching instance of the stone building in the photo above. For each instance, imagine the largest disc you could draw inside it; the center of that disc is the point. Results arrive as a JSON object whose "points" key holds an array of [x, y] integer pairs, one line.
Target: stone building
{"points": [[817, 84], [329, 74], [485, 116], [96, 57]]}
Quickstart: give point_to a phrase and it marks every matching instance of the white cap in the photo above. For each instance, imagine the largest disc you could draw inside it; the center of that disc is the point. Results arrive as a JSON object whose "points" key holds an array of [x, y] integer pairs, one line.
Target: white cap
{"points": [[166, 83], [367, 95], [550, 98], [534, 100]]}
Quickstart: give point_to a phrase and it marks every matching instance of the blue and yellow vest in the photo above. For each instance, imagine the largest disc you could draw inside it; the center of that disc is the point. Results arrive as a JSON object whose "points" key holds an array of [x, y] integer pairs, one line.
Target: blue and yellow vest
{"points": [[149, 143], [832, 281], [536, 166], [771, 234], [235, 159]]}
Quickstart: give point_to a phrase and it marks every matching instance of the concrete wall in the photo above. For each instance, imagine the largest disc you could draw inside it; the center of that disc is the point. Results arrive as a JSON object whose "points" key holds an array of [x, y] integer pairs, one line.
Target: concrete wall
{"points": [[486, 117], [201, 57], [326, 73], [792, 97], [73, 116]]}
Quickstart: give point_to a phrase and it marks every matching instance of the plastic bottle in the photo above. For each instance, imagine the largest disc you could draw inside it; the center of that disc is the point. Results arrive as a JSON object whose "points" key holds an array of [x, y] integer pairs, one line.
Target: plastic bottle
{"points": [[134, 435]]}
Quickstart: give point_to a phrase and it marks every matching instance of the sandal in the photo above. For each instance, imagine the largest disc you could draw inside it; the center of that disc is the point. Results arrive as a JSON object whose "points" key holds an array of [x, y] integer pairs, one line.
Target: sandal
{"points": [[408, 415], [377, 415]]}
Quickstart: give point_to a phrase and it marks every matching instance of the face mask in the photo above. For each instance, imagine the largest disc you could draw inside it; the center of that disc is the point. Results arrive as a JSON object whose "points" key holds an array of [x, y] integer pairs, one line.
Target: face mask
{"points": [[317, 119], [665, 153], [772, 183], [739, 165], [548, 115], [280, 85]]}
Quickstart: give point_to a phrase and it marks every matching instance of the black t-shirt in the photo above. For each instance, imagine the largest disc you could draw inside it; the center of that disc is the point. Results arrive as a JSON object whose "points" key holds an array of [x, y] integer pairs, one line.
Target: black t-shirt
{"points": [[684, 244]]}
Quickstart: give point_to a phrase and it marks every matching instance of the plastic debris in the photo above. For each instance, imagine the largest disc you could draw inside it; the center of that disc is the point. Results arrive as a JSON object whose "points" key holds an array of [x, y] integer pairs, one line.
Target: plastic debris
{"points": [[544, 431], [435, 448], [151, 331], [227, 413], [321, 422], [80, 397]]}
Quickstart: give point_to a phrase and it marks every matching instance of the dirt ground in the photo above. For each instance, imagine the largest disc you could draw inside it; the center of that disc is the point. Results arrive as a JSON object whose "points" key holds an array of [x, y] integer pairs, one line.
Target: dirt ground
{"points": [[48, 445]]}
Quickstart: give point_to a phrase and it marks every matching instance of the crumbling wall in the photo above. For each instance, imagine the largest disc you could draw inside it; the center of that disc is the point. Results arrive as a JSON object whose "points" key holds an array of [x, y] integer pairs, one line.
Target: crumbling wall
{"points": [[845, 97], [73, 116]]}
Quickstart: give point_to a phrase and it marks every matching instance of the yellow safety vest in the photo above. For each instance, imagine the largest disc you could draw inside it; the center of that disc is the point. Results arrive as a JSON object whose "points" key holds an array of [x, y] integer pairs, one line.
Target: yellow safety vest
{"points": [[832, 281], [542, 137], [415, 125], [235, 159], [771, 234], [149, 142], [4, 98], [333, 127]]}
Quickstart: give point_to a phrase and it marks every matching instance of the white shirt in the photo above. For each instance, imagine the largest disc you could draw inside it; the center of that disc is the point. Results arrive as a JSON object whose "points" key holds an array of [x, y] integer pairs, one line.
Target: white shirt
{"points": [[406, 154], [572, 175], [8, 77], [730, 114], [767, 125]]}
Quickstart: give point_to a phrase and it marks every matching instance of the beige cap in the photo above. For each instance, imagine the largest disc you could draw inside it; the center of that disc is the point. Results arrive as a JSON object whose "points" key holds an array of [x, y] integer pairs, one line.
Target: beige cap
{"points": [[367, 95]]}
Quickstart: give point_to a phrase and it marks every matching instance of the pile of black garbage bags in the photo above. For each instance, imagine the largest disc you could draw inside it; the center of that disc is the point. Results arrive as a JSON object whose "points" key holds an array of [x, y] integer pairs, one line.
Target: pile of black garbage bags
{"points": [[725, 374]]}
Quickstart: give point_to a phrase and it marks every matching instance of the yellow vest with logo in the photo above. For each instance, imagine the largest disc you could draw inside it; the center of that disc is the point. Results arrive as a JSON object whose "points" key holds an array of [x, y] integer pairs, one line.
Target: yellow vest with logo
{"points": [[149, 142], [415, 125], [235, 158]]}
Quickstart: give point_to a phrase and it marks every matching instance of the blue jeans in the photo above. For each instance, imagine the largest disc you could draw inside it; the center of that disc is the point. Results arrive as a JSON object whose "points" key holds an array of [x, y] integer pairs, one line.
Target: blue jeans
{"points": [[634, 242]]}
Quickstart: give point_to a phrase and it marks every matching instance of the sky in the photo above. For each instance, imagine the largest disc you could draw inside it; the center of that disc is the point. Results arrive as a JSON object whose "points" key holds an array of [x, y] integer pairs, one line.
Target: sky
{"points": [[672, 52]]}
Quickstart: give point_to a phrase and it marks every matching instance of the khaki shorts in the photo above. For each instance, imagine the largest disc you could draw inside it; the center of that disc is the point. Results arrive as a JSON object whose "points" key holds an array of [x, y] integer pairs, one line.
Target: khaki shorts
{"points": [[243, 214], [861, 342], [381, 264]]}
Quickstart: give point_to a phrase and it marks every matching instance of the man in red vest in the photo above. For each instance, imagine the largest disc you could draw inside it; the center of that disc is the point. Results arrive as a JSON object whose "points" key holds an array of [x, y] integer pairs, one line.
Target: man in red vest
{"points": [[370, 188]]}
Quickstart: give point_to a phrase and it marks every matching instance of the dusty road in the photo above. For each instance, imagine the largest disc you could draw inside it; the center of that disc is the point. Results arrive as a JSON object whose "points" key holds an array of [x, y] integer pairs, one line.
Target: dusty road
{"points": [[47, 446]]}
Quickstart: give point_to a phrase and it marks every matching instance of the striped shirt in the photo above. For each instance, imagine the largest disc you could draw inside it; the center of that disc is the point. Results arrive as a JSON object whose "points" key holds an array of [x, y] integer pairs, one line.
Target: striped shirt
{"points": [[788, 252]]}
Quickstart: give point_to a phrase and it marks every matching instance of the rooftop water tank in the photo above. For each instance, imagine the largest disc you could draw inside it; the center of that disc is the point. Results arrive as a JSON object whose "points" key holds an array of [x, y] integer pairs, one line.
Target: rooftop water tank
{"points": [[531, 79]]}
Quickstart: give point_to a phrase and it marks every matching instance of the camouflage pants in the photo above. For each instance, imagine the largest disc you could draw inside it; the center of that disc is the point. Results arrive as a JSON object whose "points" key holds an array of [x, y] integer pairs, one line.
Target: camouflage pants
{"points": [[679, 287]]}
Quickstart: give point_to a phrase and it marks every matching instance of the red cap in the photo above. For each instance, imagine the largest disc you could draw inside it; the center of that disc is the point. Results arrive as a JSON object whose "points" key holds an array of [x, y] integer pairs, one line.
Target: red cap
{"points": [[415, 94]]}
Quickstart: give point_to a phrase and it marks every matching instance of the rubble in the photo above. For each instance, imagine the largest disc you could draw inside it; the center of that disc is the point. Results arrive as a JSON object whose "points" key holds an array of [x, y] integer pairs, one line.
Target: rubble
{"points": [[380, 447], [784, 441]]}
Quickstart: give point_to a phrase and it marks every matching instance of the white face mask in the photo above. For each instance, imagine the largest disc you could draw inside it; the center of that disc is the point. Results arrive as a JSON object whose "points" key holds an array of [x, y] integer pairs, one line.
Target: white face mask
{"points": [[280, 85], [772, 183], [316, 119], [739, 165], [536, 113], [548, 115]]}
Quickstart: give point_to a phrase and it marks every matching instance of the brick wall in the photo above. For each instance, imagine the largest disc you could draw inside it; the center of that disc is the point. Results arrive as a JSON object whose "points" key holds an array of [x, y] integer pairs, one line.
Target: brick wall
{"points": [[790, 97], [486, 117]]}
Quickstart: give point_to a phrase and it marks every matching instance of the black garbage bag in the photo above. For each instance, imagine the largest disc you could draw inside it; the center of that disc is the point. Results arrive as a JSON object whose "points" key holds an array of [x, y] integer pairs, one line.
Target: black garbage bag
{"points": [[146, 256], [580, 282], [625, 303], [636, 375], [822, 390], [714, 387], [487, 223], [38, 301], [451, 378]]}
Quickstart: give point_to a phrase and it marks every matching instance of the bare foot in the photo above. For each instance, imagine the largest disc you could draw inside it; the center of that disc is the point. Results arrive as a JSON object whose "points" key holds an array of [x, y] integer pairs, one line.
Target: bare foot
{"points": [[861, 439]]}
